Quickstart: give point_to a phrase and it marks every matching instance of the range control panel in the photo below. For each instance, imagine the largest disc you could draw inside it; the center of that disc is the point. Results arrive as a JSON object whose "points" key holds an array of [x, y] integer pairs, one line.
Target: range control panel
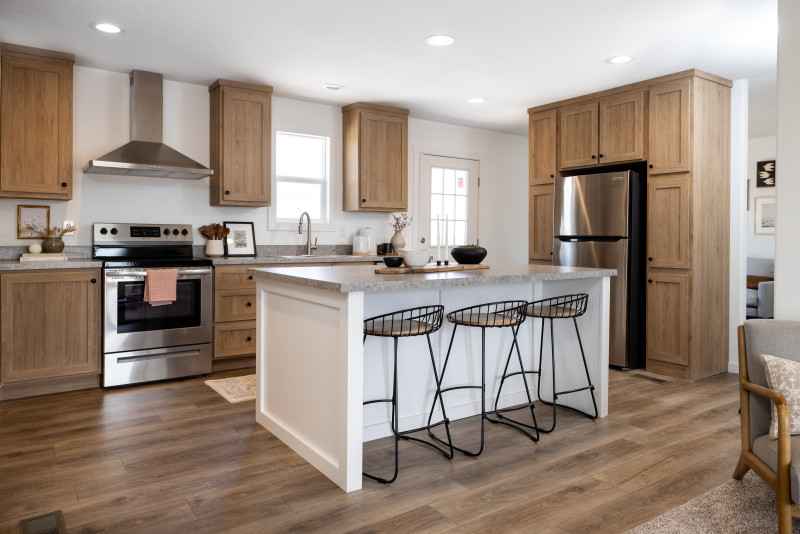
{"points": [[141, 234]]}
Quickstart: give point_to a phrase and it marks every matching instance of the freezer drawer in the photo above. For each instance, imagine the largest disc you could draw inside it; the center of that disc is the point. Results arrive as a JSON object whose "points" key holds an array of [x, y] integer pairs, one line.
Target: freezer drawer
{"points": [[604, 255], [591, 205]]}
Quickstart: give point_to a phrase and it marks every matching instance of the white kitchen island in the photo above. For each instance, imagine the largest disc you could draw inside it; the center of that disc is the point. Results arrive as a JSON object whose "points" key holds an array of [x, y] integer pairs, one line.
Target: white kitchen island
{"points": [[314, 371]]}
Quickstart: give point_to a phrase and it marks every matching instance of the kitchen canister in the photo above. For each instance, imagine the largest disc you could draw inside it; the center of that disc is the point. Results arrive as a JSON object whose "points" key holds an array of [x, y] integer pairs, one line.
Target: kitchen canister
{"points": [[361, 245], [373, 240]]}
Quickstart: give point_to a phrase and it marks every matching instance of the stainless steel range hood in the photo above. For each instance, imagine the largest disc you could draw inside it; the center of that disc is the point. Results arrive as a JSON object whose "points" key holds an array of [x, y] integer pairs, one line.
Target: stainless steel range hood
{"points": [[146, 154]]}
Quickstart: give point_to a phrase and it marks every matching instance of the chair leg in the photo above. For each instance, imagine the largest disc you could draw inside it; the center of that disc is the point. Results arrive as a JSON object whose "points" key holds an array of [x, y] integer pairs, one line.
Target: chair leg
{"points": [[395, 424], [741, 469]]}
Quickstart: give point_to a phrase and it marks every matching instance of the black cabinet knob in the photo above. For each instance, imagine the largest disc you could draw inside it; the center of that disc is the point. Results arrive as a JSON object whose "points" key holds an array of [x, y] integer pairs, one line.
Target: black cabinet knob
{"points": [[552, 176], [94, 280], [600, 156], [249, 304], [227, 192], [649, 280], [649, 259], [249, 338], [594, 157], [551, 252], [363, 200], [650, 166], [63, 184], [250, 277]]}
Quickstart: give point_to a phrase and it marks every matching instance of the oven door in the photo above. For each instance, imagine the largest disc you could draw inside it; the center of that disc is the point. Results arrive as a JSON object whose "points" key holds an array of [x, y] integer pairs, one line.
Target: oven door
{"points": [[132, 324]]}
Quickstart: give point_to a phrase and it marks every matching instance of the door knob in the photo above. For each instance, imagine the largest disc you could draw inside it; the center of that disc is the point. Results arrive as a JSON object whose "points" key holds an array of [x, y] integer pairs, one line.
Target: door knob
{"points": [[421, 239]]}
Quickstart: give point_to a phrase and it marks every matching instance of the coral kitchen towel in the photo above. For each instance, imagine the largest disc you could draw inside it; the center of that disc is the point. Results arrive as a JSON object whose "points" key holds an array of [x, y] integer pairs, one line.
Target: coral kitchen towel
{"points": [[159, 286]]}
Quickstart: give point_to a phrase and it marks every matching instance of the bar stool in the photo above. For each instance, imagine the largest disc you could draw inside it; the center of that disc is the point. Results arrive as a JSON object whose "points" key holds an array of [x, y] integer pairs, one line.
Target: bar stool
{"points": [[423, 320], [506, 314], [563, 307]]}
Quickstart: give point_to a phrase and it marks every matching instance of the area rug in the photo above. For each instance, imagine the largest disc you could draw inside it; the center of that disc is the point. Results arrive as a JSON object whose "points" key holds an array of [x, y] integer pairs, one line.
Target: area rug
{"points": [[732, 508], [235, 389]]}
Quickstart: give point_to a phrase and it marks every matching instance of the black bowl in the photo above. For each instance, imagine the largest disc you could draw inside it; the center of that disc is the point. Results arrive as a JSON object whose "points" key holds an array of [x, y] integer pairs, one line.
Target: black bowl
{"points": [[393, 261], [468, 255]]}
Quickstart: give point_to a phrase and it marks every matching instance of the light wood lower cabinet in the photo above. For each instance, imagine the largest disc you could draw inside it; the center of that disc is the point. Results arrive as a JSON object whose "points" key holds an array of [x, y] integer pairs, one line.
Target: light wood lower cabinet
{"points": [[49, 331], [234, 339], [668, 323]]}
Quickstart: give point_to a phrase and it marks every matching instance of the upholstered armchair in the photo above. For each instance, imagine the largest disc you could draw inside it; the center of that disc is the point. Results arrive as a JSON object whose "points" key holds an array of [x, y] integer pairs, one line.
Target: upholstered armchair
{"points": [[776, 461], [760, 287]]}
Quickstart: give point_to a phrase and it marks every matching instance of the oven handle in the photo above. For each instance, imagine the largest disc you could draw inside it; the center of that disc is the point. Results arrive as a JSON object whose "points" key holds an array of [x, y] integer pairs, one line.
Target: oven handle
{"points": [[126, 359], [143, 274]]}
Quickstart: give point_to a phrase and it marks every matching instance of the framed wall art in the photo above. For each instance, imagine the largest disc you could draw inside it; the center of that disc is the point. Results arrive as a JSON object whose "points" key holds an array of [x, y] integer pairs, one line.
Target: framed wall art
{"points": [[765, 174], [241, 241], [765, 215], [37, 217]]}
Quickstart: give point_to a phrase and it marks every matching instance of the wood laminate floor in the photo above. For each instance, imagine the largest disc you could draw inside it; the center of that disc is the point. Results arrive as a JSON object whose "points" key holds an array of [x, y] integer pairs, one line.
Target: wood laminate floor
{"points": [[177, 457]]}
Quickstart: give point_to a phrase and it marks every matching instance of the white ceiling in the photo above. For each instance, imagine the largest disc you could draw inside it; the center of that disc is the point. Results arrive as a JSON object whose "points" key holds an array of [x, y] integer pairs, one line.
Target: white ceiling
{"points": [[515, 53]]}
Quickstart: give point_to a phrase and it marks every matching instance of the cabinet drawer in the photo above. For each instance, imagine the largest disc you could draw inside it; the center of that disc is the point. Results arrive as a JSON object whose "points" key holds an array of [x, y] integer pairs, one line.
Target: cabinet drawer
{"points": [[235, 277], [234, 305], [234, 339]]}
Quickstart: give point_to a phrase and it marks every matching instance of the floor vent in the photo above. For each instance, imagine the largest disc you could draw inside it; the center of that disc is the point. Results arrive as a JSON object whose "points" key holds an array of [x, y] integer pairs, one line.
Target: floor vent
{"points": [[650, 378], [52, 523]]}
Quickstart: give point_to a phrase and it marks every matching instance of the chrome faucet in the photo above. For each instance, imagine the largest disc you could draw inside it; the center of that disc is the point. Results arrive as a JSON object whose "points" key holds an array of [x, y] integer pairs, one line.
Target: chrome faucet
{"points": [[309, 248]]}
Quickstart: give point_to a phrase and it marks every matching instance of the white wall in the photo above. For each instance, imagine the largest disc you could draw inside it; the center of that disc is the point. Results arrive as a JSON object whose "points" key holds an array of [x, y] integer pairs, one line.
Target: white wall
{"points": [[759, 149], [738, 216], [787, 251], [100, 124]]}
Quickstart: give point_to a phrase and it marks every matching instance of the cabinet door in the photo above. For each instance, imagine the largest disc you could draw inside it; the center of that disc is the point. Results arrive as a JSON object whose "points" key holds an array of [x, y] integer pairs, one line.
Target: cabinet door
{"points": [[50, 324], [234, 339], [540, 231], [668, 216], [245, 144], [621, 128], [234, 304], [542, 146], [667, 318], [670, 127], [383, 161], [36, 132], [578, 135]]}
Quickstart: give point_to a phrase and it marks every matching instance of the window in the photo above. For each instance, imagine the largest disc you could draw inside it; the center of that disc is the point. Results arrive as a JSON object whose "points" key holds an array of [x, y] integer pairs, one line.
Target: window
{"points": [[302, 165], [448, 196]]}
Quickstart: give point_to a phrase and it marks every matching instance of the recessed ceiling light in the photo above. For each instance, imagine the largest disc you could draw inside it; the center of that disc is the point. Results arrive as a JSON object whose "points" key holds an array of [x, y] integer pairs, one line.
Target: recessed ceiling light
{"points": [[439, 40], [476, 100], [106, 27], [333, 87], [619, 59]]}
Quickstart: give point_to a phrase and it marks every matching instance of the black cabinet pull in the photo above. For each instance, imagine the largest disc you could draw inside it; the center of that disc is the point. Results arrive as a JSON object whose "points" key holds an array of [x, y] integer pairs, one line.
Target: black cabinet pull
{"points": [[249, 338], [250, 277], [650, 166], [249, 304], [552, 176], [600, 156], [94, 280], [649, 259], [551, 252], [363, 200], [649, 280], [593, 156], [227, 192], [63, 184]]}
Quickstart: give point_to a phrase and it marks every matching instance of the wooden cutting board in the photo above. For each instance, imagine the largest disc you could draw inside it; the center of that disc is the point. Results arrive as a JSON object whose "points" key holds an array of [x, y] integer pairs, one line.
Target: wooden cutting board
{"points": [[431, 268]]}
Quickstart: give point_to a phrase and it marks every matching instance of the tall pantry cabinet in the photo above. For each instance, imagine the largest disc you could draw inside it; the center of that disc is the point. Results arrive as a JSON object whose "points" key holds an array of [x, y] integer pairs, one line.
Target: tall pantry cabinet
{"points": [[677, 127]]}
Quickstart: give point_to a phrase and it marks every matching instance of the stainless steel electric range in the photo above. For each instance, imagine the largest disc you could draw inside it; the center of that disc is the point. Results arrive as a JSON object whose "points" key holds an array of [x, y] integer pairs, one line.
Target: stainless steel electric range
{"points": [[141, 342]]}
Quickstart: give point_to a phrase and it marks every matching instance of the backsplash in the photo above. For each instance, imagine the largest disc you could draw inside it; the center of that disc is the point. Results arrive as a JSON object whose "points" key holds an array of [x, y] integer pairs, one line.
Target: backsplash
{"points": [[13, 252]]}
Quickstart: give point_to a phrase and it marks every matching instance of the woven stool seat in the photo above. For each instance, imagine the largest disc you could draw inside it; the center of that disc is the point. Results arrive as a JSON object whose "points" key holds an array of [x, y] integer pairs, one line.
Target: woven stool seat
{"points": [[558, 307], [399, 327], [485, 319]]}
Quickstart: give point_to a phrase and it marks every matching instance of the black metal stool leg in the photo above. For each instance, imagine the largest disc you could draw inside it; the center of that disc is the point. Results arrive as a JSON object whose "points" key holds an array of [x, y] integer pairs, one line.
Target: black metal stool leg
{"points": [[394, 424], [554, 403], [586, 368]]}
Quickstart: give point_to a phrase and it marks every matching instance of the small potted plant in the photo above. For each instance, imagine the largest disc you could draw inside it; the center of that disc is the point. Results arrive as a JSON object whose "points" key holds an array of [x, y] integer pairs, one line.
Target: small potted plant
{"points": [[400, 221], [468, 254], [51, 237], [215, 233]]}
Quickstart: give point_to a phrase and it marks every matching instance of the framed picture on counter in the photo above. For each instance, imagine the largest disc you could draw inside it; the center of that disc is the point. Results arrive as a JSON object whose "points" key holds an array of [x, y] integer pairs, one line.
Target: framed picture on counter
{"points": [[37, 217], [241, 241]]}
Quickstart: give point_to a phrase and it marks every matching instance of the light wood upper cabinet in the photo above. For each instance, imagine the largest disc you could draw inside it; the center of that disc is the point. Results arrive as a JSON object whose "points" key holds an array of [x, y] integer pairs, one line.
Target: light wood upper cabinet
{"points": [[670, 127], [241, 141], [49, 324], [542, 127], [668, 220], [578, 135], [375, 158], [608, 130], [621, 128], [35, 123], [540, 232]]}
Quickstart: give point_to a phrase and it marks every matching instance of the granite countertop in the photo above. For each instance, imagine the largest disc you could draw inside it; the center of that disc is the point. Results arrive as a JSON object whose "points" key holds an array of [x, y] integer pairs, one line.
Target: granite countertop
{"points": [[264, 260], [70, 263], [364, 278]]}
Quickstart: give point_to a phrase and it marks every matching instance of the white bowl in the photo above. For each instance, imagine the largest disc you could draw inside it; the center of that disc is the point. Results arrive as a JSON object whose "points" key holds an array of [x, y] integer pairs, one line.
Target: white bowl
{"points": [[416, 258]]}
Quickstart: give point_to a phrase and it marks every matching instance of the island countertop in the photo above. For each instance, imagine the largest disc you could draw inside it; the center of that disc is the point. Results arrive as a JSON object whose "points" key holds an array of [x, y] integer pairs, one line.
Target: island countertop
{"points": [[355, 278]]}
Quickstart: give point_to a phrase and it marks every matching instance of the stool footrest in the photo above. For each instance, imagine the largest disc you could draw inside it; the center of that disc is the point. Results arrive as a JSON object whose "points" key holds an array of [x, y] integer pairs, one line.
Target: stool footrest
{"points": [[559, 393]]}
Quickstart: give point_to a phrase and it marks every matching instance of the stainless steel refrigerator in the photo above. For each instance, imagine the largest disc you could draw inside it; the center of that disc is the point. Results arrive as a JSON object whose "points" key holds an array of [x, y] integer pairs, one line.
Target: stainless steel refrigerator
{"points": [[599, 222]]}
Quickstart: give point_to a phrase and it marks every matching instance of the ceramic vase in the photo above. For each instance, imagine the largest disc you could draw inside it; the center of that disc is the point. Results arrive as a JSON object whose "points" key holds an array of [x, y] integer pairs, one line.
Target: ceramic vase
{"points": [[214, 248], [398, 242], [52, 244]]}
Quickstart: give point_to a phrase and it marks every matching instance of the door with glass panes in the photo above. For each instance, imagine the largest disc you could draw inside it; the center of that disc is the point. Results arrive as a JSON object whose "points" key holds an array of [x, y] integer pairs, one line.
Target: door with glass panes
{"points": [[448, 202]]}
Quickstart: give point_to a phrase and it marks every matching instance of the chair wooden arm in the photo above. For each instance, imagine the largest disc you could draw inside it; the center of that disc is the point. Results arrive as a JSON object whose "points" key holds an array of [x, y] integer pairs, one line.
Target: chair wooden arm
{"points": [[772, 395]]}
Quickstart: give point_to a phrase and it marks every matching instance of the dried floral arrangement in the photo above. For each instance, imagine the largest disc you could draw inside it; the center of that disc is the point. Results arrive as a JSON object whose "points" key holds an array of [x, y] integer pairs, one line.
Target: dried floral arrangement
{"points": [[54, 232], [214, 231], [400, 221]]}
